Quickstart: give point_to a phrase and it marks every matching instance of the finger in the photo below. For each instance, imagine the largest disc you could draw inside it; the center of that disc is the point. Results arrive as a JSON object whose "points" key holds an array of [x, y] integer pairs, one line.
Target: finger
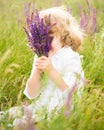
{"points": [[43, 58], [42, 68], [40, 61], [41, 64]]}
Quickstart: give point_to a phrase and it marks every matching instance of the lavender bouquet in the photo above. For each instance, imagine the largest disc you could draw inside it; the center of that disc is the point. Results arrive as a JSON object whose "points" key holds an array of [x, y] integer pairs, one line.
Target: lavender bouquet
{"points": [[38, 34]]}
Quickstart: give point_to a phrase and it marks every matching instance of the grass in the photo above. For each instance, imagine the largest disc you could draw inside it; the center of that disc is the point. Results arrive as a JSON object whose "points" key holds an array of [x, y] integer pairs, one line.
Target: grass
{"points": [[16, 60]]}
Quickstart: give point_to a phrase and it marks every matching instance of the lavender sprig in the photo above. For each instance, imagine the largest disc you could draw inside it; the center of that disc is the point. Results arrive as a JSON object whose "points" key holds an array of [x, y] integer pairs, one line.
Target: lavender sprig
{"points": [[69, 99], [88, 19], [28, 114], [38, 34]]}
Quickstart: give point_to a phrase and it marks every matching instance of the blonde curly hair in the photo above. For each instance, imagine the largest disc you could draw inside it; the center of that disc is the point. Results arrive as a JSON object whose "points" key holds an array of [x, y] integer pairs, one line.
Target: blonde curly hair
{"points": [[66, 26]]}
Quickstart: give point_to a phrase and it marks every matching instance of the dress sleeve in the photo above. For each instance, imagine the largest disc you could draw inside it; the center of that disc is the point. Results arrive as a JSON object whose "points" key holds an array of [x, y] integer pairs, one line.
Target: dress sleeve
{"points": [[72, 72], [33, 69]]}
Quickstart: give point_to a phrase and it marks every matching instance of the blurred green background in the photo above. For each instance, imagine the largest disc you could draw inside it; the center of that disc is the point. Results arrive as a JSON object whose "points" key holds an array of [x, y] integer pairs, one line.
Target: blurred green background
{"points": [[16, 60]]}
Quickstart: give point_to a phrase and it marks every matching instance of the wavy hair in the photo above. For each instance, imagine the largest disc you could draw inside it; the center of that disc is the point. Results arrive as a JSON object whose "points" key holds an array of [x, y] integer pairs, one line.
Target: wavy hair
{"points": [[66, 26]]}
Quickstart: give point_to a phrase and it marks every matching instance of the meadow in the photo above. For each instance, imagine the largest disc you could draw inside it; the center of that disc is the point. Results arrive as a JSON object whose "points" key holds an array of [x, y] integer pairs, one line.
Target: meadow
{"points": [[16, 62]]}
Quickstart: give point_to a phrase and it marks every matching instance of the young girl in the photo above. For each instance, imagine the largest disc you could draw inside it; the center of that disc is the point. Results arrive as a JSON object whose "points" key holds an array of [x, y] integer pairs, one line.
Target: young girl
{"points": [[63, 65]]}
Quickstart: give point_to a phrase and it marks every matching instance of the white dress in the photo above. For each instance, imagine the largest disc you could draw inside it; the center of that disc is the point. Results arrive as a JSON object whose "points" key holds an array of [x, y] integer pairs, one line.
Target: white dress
{"points": [[68, 64]]}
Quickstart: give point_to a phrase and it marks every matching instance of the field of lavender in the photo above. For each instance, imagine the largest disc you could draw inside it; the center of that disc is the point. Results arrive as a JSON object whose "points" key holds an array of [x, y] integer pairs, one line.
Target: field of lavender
{"points": [[16, 60]]}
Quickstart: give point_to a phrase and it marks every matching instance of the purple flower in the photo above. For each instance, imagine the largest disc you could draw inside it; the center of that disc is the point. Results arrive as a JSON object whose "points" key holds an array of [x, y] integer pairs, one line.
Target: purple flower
{"points": [[93, 25], [69, 99], [28, 116], [88, 19], [38, 34], [82, 21], [26, 8]]}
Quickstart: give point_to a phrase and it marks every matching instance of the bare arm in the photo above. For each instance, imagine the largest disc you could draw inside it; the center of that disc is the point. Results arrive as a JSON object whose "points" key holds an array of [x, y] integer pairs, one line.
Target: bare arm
{"points": [[57, 79], [33, 83]]}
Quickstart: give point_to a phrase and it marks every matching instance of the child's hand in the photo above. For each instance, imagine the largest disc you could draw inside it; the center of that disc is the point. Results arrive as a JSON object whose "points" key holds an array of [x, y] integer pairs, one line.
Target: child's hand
{"points": [[44, 64]]}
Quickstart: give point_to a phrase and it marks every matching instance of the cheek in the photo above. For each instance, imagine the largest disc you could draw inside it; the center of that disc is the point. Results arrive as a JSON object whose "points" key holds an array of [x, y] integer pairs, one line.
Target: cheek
{"points": [[53, 45]]}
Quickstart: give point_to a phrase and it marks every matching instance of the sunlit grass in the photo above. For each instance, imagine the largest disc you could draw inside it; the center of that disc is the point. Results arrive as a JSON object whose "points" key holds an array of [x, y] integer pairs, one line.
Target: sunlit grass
{"points": [[16, 60]]}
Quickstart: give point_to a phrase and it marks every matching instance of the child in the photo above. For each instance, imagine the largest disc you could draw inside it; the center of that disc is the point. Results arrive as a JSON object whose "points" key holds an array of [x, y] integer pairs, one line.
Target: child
{"points": [[62, 65]]}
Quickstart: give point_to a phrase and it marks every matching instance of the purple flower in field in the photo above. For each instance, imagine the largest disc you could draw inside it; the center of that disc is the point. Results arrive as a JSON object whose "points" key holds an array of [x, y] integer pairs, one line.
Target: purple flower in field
{"points": [[88, 19], [26, 8], [93, 25], [80, 80], [28, 115], [69, 99], [25, 122], [38, 34]]}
